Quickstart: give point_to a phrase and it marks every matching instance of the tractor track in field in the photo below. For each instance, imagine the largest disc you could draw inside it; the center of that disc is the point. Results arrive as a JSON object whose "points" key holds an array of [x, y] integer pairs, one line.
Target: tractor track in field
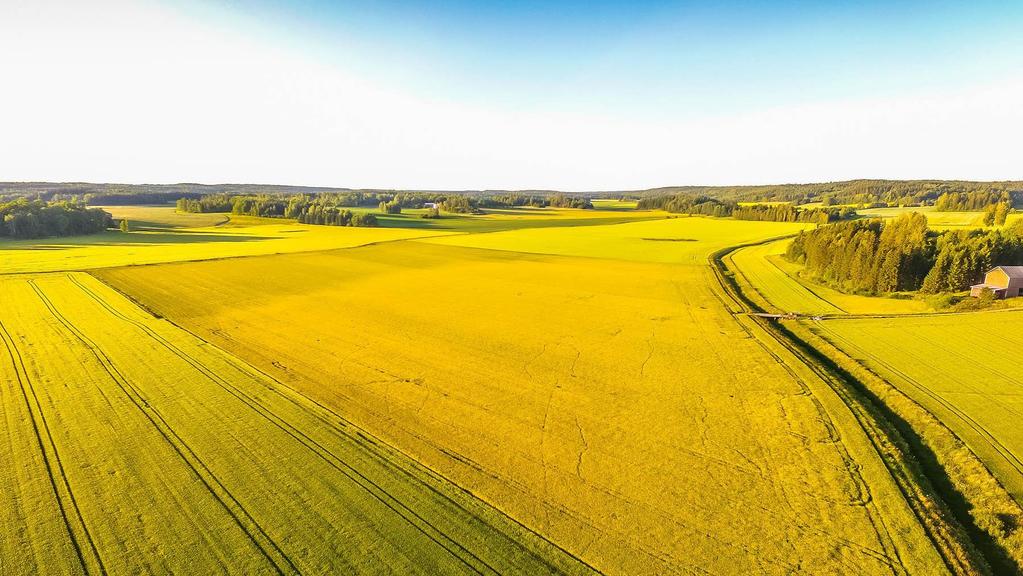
{"points": [[865, 497], [937, 519], [234, 508], [413, 518], [25, 381]]}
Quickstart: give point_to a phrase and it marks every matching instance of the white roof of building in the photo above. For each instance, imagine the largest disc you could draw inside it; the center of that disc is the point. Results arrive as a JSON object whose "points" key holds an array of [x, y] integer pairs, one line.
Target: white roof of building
{"points": [[1011, 271]]}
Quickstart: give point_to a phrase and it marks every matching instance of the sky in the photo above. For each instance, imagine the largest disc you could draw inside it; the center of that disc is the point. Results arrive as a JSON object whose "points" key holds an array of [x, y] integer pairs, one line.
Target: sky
{"points": [[571, 95]]}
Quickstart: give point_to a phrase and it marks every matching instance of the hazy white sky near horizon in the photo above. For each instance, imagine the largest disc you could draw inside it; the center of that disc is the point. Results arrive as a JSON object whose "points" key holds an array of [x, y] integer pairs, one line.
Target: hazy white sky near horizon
{"points": [[119, 91]]}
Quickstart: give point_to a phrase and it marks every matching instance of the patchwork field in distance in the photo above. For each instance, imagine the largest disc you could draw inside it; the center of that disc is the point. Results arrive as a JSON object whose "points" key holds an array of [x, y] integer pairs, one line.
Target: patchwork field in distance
{"points": [[685, 240], [935, 219], [964, 368], [161, 234], [500, 219], [142, 449], [609, 402], [174, 245]]}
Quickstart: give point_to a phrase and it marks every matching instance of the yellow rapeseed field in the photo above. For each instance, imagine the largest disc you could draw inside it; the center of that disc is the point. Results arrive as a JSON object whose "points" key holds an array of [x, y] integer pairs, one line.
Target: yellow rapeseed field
{"points": [[587, 381], [130, 446]]}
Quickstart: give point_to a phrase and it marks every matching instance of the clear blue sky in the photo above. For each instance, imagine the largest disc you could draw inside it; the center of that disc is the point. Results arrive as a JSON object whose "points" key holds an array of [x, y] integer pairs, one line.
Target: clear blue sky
{"points": [[646, 73], [650, 56]]}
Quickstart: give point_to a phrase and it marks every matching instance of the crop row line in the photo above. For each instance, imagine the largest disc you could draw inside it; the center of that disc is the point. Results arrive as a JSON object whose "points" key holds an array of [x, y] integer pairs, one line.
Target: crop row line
{"points": [[380, 494], [54, 466], [213, 484], [1004, 451], [382, 452]]}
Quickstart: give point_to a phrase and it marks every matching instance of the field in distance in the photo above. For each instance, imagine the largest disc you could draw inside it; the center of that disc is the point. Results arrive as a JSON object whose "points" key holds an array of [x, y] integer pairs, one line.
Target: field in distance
{"points": [[677, 240], [162, 234], [935, 219], [600, 393], [115, 248], [163, 216], [499, 219]]}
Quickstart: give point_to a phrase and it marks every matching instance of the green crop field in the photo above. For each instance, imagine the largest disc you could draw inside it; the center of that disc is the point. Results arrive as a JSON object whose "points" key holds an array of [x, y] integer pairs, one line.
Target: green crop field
{"points": [[964, 368], [935, 219], [588, 381], [157, 217]]}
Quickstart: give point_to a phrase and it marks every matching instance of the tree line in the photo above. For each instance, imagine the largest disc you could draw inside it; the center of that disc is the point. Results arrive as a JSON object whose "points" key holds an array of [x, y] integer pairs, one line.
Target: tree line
{"points": [[866, 193], [323, 210], [885, 256], [23, 218], [326, 207], [211, 203], [972, 201], [687, 204], [851, 192], [790, 213], [780, 212]]}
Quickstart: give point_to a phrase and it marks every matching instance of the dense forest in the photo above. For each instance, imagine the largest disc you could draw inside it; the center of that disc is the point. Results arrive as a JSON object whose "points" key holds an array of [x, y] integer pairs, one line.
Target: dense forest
{"points": [[23, 218], [881, 257]]}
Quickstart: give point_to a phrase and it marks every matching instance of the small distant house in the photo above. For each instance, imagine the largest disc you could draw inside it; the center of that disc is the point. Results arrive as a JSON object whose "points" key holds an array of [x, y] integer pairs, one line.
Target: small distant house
{"points": [[429, 204], [1004, 281]]}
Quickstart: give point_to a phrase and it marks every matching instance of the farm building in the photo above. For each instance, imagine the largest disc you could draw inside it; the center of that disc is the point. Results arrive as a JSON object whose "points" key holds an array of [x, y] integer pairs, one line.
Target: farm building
{"points": [[1004, 281]]}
